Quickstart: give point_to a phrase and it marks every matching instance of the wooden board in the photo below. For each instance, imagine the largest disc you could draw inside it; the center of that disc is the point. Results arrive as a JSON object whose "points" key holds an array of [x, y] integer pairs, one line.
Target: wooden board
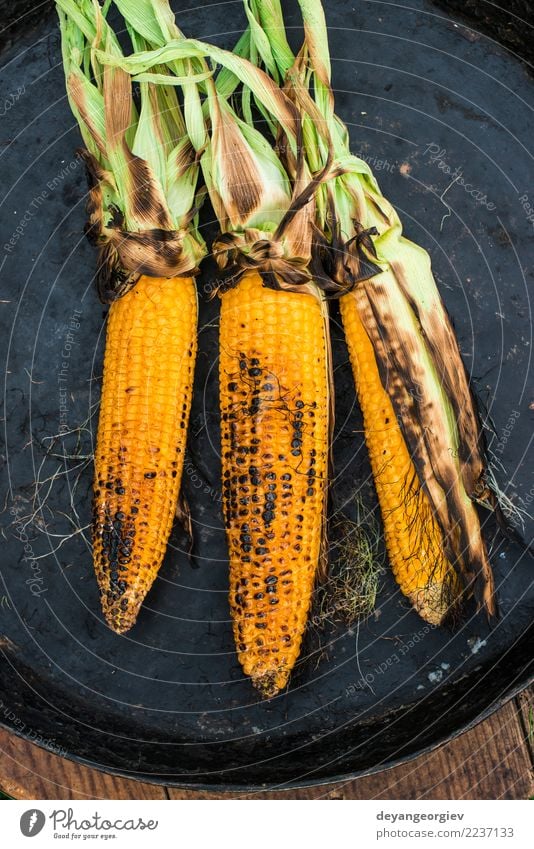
{"points": [[492, 761]]}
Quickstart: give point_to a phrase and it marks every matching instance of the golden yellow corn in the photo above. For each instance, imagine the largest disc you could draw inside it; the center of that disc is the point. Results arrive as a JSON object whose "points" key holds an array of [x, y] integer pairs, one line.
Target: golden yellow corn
{"points": [[413, 537], [274, 411], [146, 398]]}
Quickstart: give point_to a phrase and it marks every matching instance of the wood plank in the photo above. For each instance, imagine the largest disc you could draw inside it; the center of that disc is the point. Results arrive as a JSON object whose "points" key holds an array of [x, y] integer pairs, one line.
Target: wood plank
{"points": [[525, 702], [491, 761], [28, 772]]}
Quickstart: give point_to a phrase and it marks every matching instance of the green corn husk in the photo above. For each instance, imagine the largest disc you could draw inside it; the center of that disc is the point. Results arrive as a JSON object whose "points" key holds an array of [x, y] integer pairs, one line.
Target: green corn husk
{"points": [[399, 304], [141, 165], [253, 196]]}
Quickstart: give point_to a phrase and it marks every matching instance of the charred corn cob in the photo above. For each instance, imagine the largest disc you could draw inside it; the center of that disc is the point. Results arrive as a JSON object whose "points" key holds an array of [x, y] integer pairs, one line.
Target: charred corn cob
{"points": [[274, 412], [142, 181], [413, 537], [146, 398]]}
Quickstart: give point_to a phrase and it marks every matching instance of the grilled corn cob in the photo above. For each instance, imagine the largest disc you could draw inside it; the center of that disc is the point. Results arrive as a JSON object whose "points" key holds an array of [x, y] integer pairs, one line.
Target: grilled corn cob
{"points": [[274, 402], [413, 537], [142, 182], [146, 398]]}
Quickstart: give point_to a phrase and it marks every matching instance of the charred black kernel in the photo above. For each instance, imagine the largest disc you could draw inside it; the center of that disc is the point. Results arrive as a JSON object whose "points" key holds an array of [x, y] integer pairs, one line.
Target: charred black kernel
{"points": [[246, 538], [233, 386], [296, 443], [261, 541], [271, 590], [258, 596], [299, 405], [244, 500], [243, 449], [272, 579], [272, 487], [255, 441], [286, 477], [242, 479], [270, 496], [124, 603], [298, 425], [273, 601], [260, 551], [256, 498], [310, 491], [267, 387], [254, 450], [174, 473], [268, 517], [242, 364], [244, 582], [300, 517], [254, 372], [261, 625], [150, 474], [270, 476], [239, 598], [254, 361], [109, 485], [253, 470], [313, 452], [246, 548], [120, 516], [296, 452], [298, 415], [114, 576], [245, 528], [245, 558], [311, 473], [256, 481], [240, 461]]}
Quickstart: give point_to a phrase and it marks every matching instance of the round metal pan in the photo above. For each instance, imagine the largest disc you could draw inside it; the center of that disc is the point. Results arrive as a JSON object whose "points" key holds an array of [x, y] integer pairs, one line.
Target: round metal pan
{"points": [[443, 113]]}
